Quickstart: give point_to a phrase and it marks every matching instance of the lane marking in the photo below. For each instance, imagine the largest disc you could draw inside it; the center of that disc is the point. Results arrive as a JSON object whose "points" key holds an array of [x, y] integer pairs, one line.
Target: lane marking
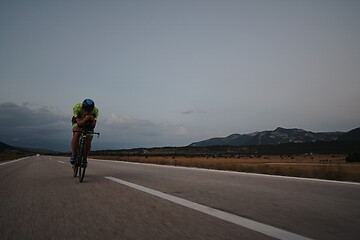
{"points": [[14, 161], [230, 172], [61, 162], [244, 222]]}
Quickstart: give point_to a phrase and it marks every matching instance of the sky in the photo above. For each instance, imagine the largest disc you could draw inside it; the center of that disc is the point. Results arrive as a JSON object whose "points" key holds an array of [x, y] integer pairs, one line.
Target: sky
{"points": [[169, 73]]}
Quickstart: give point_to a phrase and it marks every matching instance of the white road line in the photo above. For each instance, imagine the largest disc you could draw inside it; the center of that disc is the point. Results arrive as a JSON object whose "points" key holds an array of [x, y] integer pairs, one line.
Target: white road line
{"points": [[61, 162], [14, 161], [244, 222], [231, 172]]}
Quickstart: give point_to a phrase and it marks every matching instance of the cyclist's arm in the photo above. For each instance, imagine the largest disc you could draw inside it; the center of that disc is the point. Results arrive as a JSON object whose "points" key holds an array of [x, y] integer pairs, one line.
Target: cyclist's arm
{"points": [[93, 124], [83, 122]]}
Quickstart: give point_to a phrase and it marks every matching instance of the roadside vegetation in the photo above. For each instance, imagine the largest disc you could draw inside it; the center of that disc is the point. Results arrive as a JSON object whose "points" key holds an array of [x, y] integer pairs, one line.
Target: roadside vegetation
{"points": [[12, 156]]}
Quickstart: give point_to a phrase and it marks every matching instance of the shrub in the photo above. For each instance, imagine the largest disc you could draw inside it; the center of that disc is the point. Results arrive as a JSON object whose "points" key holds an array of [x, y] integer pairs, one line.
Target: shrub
{"points": [[353, 157]]}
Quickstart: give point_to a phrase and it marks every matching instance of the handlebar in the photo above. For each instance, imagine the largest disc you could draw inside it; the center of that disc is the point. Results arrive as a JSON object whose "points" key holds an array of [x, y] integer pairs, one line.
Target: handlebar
{"points": [[85, 131]]}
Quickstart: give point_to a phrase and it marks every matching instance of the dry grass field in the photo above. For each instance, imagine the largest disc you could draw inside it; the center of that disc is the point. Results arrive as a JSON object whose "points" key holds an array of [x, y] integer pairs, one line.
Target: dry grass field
{"points": [[332, 167], [11, 156]]}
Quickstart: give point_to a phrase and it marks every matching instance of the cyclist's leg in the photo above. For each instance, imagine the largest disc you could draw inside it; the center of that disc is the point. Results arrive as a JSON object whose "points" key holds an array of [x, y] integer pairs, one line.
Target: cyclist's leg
{"points": [[75, 140]]}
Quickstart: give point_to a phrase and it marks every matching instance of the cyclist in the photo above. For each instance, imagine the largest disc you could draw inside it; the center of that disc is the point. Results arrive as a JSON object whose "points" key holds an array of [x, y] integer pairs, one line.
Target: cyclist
{"points": [[85, 116]]}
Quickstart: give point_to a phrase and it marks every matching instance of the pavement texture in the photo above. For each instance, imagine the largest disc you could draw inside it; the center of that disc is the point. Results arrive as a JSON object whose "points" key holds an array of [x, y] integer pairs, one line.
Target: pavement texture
{"points": [[40, 199]]}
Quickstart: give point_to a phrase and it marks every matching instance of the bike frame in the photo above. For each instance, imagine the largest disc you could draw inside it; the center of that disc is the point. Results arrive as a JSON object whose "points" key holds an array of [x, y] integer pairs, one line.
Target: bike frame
{"points": [[81, 154]]}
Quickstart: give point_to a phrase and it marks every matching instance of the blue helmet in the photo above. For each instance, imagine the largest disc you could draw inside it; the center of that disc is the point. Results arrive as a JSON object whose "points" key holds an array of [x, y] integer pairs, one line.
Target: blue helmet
{"points": [[88, 105]]}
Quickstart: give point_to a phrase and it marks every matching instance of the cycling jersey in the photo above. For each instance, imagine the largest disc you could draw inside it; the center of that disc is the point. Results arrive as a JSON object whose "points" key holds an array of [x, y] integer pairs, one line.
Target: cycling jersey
{"points": [[79, 112]]}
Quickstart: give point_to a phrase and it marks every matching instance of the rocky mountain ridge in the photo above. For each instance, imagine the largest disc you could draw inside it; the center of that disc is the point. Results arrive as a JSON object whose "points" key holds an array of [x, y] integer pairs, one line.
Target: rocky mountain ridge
{"points": [[278, 136]]}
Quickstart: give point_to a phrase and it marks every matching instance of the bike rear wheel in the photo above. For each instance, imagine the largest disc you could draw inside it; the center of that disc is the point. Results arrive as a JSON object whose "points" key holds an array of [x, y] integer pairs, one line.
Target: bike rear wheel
{"points": [[77, 161]]}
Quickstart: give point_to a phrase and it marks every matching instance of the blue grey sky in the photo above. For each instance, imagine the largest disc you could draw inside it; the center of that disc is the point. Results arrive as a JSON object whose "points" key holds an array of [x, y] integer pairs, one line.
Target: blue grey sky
{"points": [[168, 73]]}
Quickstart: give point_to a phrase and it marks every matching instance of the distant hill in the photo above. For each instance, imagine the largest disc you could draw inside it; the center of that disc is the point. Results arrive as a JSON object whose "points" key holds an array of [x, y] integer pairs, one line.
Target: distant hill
{"points": [[37, 150], [319, 147], [277, 136], [232, 140], [283, 135], [353, 135], [4, 147]]}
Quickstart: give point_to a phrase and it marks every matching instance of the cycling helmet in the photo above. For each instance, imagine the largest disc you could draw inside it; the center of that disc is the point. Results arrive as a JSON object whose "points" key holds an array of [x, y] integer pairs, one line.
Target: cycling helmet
{"points": [[88, 105]]}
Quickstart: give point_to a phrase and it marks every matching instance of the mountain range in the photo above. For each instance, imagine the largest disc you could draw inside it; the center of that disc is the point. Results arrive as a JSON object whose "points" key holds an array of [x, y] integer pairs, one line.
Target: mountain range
{"points": [[278, 136], [5, 148]]}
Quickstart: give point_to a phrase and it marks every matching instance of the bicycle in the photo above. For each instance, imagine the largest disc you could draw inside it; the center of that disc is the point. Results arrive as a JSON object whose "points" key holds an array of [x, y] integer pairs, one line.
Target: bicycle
{"points": [[81, 162]]}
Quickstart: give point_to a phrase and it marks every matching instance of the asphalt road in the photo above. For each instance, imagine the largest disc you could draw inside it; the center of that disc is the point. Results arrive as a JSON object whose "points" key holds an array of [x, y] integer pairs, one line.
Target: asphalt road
{"points": [[39, 199]]}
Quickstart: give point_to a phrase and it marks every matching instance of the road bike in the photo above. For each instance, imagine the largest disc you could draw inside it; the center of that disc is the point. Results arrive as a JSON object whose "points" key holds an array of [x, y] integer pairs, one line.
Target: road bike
{"points": [[80, 164]]}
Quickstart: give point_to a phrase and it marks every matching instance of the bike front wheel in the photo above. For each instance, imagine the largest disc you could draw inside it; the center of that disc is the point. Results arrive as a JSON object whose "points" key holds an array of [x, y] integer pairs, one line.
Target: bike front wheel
{"points": [[82, 169], [82, 165]]}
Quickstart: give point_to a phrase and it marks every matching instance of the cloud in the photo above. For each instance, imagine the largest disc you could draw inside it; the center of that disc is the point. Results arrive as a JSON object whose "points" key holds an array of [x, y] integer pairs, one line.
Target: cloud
{"points": [[130, 132], [181, 130], [125, 121], [35, 126], [194, 111], [188, 112]]}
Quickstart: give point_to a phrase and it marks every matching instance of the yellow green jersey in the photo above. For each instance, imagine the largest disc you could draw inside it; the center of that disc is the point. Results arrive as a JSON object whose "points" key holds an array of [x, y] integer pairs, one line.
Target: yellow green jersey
{"points": [[79, 112]]}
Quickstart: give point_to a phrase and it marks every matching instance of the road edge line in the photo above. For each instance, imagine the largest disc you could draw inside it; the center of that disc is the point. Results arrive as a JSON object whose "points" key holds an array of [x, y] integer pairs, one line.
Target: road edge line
{"points": [[12, 161]]}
